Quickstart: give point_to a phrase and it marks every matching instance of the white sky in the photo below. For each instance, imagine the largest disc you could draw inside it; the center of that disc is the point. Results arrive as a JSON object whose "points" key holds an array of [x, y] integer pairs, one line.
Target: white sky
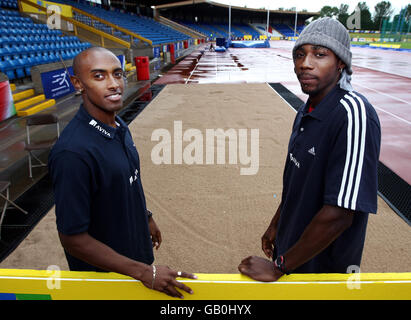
{"points": [[312, 5]]}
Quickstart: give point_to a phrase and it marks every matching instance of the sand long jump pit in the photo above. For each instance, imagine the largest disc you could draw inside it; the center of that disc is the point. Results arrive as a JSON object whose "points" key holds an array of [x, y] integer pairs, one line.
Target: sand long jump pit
{"points": [[210, 172], [212, 202]]}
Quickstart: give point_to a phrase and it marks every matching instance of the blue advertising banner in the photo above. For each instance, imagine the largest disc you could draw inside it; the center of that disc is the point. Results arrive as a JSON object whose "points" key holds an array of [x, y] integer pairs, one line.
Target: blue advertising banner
{"points": [[56, 83], [122, 59], [156, 52]]}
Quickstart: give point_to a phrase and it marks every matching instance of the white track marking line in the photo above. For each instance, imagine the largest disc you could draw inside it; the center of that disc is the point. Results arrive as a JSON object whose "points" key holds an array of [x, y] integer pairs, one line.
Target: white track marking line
{"points": [[384, 94], [192, 71], [390, 96], [393, 115]]}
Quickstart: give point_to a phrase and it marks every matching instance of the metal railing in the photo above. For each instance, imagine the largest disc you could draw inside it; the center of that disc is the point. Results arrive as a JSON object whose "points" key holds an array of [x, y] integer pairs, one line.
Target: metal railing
{"points": [[79, 25], [113, 27]]}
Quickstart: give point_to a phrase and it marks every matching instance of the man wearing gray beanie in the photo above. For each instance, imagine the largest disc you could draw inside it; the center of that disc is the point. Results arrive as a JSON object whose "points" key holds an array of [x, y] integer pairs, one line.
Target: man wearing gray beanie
{"points": [[330, 176]]}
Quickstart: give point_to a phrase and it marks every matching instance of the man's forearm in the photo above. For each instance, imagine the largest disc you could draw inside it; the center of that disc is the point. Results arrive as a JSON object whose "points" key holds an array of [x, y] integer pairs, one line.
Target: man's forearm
{"points": [[326, 226], [88, 249], [276, 218]]}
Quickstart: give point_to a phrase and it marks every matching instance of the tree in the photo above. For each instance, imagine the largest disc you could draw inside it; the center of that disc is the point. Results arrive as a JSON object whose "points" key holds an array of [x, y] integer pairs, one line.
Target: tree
{"points": [[343, 14], [366, 21], [328, 11], [382, 11], [363, 6]]}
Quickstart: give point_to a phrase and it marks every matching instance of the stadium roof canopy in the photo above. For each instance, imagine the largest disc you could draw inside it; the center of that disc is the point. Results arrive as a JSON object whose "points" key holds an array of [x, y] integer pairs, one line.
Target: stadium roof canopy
{"points": [[169, 4], [158, 2]]}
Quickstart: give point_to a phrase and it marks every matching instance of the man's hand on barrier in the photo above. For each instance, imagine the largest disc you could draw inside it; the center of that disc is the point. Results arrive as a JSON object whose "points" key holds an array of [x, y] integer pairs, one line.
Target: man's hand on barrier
{"points": [[163, 279], [259, 269]]}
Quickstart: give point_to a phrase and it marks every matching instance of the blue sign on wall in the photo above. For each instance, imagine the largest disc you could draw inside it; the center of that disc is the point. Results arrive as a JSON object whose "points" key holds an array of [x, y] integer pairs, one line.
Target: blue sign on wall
{"points": [[156, 51], [56, 83], [122, 59]]}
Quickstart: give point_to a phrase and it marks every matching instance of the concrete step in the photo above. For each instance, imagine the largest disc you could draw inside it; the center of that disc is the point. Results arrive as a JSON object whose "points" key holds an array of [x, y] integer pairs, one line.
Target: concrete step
{"points": [[29, 102], [128, 66], [32, 109], [23, 95]]}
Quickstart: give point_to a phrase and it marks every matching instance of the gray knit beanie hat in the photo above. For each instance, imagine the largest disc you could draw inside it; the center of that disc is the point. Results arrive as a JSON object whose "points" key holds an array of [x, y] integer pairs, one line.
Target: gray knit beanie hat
{"points": [[329, 33]]}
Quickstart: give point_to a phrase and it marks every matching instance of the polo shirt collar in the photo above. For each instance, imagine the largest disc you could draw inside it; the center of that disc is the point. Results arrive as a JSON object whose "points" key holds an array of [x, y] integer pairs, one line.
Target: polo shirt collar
{"points": [[102, 128], [324, 107]]}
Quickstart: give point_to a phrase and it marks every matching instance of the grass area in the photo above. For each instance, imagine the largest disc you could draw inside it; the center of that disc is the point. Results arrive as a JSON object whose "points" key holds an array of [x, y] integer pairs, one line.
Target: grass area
{"points": [[404, 45], [364, 35], [359, 43]]}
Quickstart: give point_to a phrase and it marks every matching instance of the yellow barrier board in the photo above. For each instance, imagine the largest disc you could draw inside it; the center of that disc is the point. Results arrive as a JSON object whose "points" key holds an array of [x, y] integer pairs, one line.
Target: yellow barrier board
{"points": [[68, 285], [263, 37], [384, 45], [248, 37], [65, 10]]}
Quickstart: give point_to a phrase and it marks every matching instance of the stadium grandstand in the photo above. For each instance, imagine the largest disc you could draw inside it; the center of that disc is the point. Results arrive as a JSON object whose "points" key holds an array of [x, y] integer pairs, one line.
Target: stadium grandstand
{"points": [[30, 39], [168, 44], [25, 44], [212, 20], [142, 25]]}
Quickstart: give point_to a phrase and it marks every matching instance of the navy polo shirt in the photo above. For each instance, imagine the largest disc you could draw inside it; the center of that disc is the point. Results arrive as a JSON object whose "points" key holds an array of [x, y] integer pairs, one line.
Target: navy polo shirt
{"points": [[332, 160], [95, 170]]}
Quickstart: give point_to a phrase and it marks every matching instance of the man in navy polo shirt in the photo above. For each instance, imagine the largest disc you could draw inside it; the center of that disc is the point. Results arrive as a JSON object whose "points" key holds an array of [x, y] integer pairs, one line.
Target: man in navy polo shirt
{"points": [[102, 219], [330, 175]]}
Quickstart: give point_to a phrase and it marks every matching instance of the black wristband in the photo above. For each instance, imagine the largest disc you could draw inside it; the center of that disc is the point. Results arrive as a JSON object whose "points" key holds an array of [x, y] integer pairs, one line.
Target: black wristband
{"points": [[149, 213], [280, 264]]}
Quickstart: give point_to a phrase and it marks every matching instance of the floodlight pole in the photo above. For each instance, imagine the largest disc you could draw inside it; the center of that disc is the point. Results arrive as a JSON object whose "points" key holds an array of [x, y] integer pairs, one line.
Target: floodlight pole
{"points": [[229, 22], [295, 24], [268, 21]]}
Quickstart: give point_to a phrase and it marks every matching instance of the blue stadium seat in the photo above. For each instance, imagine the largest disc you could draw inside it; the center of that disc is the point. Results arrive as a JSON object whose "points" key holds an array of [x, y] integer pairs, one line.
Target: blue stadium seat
{"points": [[9, 49], [3, 65], [20, 65], [64, 55], [53, 57], [24, 44], [39, 59], [29, 62], [9, 71]]}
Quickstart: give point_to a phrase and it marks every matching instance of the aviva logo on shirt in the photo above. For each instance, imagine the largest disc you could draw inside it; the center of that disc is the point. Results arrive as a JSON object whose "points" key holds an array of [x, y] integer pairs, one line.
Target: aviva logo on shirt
{"points": [[94, 124]]}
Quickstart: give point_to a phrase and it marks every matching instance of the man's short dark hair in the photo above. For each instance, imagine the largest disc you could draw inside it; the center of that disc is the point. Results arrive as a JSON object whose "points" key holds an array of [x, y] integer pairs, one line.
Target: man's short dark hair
{"points": [[77, 58]]}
